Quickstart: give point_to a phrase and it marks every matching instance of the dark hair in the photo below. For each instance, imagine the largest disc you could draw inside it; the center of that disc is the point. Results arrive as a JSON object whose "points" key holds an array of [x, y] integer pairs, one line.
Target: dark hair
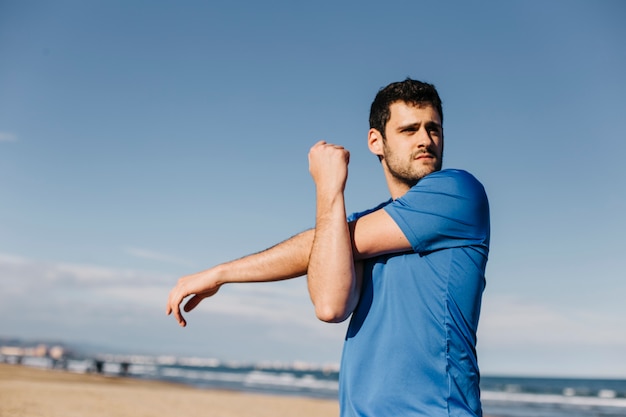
{"points": [[409, 91]]}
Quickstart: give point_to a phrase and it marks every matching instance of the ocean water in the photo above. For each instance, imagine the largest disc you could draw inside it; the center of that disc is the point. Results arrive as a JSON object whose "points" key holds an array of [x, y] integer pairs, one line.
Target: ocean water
{"points": [[553, 397], [502, 396]]}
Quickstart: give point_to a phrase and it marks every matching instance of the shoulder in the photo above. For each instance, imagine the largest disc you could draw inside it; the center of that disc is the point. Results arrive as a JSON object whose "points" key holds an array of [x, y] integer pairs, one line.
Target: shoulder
{"points": [[445, 209], [450, 176], [450, 181]]}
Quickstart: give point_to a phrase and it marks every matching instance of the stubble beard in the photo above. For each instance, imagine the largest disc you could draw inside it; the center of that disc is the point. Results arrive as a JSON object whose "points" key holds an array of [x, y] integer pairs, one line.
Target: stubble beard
{"points": [[405, 171]]}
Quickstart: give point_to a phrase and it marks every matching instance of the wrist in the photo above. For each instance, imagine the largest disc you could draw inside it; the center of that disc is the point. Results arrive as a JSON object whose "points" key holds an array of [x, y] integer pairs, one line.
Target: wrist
{"points": [[329, 198], [218, 275]]}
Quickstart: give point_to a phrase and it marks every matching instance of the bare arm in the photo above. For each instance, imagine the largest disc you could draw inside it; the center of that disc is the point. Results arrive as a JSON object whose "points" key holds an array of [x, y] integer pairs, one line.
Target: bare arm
{"points": [[285, 260], [377, 234], [330, 255], [334, 284], [335, 267]]}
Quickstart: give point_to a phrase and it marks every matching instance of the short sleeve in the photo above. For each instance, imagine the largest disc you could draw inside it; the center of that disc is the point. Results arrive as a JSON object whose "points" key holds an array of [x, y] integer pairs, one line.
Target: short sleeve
{"points": [[355, 216], [443, 210]]}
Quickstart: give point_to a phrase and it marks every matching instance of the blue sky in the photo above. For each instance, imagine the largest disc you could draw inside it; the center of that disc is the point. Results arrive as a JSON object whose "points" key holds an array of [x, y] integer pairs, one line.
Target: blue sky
{"points": [[141, 141]]}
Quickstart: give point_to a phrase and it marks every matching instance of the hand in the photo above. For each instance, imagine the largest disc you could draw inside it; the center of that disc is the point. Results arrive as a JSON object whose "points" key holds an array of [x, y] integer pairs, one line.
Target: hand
{"points": [[200, 285], [328, 165]]}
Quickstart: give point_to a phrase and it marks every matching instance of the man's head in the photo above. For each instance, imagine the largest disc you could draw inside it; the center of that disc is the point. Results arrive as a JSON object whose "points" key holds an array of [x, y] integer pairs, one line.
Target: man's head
{"points": [[406, 132], [409, 91]]}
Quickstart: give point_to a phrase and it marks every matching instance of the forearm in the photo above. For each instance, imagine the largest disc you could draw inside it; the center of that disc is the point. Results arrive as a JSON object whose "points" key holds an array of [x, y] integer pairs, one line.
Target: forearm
{"points": [[288, 259], [332, 281]]}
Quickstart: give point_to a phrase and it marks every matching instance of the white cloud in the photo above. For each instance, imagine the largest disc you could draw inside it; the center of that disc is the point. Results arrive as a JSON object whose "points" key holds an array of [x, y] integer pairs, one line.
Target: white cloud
{"points": [[520, 336], [7, 137], [27, 281], [22, 274], [126, 308], [510, 322]]}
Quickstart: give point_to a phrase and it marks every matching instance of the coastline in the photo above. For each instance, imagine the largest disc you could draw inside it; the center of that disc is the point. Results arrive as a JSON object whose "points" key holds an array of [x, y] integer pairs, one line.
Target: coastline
{"points": [[33, 392]]}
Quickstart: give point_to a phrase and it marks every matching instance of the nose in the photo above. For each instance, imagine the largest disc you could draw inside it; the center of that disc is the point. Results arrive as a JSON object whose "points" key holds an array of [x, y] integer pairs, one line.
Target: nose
{"points": [[424, 138]]}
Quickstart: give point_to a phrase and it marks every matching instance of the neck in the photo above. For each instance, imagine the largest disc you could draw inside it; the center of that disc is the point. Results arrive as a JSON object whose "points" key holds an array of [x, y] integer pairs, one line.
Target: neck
{"points": [[397, 188]]}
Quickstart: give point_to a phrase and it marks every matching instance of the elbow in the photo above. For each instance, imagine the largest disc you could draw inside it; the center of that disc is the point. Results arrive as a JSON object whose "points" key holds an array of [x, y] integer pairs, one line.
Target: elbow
{"points": [[331, 314]]}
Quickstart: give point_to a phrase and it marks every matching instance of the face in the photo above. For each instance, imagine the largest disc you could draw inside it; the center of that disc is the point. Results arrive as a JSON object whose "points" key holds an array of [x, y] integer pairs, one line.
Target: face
{"points": [[413, 143]]}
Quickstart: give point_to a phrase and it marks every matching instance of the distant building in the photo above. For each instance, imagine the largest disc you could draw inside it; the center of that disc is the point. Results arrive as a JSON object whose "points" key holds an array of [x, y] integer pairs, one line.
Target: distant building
{"points": [[39, 351]]}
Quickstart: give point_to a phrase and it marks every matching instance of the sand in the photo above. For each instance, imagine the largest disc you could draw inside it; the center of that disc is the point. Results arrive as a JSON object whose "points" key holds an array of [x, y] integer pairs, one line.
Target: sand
{"points": [[30, 392]]}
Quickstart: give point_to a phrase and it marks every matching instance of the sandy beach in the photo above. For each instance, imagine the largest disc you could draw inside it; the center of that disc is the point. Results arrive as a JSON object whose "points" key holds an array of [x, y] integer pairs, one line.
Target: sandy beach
{"points": [[29, 392]]}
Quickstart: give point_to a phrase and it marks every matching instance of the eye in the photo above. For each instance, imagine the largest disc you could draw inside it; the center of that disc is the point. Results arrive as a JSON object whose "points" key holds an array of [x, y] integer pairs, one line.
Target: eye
{"points": [[434, 130]]}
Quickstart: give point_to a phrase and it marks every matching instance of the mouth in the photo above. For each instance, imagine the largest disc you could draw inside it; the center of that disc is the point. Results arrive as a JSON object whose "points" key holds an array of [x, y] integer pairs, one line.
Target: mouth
{"points": [[424, 155]]}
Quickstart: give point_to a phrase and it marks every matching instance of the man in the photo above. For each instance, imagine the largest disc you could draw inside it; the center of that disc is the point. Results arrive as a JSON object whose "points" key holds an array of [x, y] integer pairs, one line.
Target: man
{"points": [[410, 272]]}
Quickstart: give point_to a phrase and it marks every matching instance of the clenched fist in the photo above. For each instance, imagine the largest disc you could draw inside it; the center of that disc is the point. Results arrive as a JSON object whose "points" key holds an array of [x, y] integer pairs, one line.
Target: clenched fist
{"points": [[328, 165]]}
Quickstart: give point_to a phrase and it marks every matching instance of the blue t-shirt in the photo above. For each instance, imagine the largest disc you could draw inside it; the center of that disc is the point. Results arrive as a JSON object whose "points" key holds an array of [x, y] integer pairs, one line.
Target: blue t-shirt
{"points": [[410, 346]]}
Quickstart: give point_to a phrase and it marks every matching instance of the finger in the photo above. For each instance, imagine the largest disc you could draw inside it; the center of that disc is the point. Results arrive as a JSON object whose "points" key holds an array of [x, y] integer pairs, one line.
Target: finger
{"points": [[192, 303], [170, 303], [317, 145], [168, 308], [173, 307], [179, 317]]}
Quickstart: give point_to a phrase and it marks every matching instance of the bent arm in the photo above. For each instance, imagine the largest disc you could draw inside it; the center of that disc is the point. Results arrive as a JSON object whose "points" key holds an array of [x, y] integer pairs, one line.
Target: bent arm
{"points": [[336, 267], [333, 282], [334, 279], [288, 259]]}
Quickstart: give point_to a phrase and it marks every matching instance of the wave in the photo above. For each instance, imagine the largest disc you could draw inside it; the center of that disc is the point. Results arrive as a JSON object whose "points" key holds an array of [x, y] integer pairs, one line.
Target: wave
{"points": [[553, 399]]}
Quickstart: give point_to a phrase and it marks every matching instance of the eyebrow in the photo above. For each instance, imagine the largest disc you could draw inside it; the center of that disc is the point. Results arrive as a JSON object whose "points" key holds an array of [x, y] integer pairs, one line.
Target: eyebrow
{"points": [[417, 125], [432, 123], [409, 126]]}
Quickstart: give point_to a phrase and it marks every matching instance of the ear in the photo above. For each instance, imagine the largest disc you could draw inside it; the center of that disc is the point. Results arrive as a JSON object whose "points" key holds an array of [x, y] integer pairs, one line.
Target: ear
{"points": [[375, 142]]}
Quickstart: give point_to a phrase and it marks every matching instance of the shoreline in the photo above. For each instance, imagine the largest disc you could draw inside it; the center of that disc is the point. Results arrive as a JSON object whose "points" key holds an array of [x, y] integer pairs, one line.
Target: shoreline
{"points": [[32, 392], [37, 392]]}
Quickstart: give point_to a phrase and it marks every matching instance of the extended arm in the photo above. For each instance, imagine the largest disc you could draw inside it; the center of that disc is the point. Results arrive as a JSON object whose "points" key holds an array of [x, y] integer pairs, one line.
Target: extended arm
{"points": [[286, 260], [329, 255]]}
